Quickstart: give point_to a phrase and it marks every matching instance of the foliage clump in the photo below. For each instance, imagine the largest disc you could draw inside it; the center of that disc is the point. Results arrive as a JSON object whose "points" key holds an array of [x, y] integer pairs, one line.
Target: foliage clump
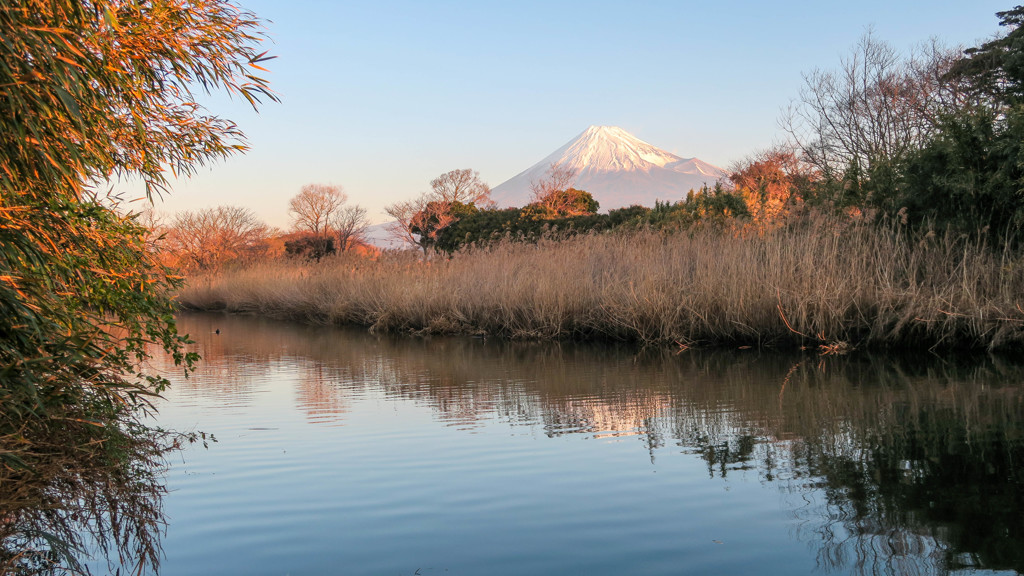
{"points": [[309, 246]]}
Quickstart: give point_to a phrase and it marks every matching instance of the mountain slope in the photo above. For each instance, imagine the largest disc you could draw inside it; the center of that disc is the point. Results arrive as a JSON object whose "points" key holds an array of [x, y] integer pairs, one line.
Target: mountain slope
{"points": [[617, 168]]}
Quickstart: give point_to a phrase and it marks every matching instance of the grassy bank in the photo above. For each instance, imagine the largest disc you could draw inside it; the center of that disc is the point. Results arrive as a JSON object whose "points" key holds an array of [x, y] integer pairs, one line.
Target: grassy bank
{"points": [[821, 285]]}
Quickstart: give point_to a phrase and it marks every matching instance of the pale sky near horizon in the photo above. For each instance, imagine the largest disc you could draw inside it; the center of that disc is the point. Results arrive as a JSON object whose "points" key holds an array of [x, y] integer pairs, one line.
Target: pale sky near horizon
{"points": [[381, 97]]}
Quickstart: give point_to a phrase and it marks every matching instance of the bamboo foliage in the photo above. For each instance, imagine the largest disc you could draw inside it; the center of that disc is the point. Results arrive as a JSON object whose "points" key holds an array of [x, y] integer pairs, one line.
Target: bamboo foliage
{"points": [[103, 88], [92, 90]]}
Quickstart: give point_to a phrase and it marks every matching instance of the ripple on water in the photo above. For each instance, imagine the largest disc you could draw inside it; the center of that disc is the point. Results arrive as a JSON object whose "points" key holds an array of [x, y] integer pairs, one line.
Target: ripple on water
{"points": [[346, 454]]}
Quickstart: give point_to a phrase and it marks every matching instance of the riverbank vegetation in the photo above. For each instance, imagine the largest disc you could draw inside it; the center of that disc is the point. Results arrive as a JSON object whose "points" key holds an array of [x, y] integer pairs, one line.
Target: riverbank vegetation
{"points": [[829, 284], [893, 216]]}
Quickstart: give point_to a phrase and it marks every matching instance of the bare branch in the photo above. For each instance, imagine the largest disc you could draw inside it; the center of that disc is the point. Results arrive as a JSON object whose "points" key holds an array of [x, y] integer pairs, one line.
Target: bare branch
{"points": [[313, 208], [418, 222], [463, 186], [404, 212], [875, 109], [557, 178], [349, 225], [210, 238]]}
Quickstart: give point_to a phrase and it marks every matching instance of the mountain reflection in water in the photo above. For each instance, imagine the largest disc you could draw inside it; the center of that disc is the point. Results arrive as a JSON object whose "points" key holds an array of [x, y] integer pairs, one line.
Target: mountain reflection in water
{"points": [[909, 465]]}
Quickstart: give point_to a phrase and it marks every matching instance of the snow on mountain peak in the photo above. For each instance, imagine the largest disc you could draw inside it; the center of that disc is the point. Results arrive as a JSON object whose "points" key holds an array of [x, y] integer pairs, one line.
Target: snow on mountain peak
{"points": [[617, 168], [611, 149]]}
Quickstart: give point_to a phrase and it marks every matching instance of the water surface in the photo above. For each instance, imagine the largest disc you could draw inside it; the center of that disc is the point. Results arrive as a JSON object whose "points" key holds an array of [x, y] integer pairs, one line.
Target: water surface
{"points": [[340, 452]]}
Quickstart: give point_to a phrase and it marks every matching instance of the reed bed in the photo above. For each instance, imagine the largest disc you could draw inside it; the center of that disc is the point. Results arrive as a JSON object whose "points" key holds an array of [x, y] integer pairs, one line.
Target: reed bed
{"points": [[830, 285]]}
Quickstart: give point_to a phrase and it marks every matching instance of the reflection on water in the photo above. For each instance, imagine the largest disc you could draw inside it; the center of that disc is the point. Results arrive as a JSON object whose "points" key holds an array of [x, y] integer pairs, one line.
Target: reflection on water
{"points": [[883, 466], [76, 502]]}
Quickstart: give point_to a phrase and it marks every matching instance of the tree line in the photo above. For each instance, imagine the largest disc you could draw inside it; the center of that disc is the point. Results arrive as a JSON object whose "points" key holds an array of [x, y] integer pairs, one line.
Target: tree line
{"points": [[96, 90], [323, 222], [933, 139]]}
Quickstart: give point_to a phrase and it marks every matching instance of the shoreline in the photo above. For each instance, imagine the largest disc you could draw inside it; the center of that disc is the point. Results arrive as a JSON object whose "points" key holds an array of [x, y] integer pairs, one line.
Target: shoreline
{"points": [[832, 288]]}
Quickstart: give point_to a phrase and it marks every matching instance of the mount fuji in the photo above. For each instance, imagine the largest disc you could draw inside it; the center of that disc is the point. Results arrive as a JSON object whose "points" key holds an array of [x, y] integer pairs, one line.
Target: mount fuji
{"points": [[617, 168]]}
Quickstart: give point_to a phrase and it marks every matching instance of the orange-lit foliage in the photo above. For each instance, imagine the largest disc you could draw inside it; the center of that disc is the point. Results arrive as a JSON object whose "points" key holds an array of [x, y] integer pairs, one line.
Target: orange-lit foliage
{"points": [[452, 196], [214, 237], [116, 83], [93, 90], [562, 204], [554, 196], [771, 185]]}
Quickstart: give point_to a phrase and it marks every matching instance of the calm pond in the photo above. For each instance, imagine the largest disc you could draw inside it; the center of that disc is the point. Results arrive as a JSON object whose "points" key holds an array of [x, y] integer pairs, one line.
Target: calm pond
{"points": [[340, 452]]}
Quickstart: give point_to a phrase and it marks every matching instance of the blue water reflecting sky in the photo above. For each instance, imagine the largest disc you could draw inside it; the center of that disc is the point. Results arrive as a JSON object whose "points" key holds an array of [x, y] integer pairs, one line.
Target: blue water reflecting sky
{"points": [[341, 453]]}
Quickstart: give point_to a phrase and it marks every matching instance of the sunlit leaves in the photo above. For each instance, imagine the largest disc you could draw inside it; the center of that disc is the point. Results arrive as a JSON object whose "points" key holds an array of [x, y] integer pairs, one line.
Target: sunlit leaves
{"points": [[116, 83], [92, 90]]}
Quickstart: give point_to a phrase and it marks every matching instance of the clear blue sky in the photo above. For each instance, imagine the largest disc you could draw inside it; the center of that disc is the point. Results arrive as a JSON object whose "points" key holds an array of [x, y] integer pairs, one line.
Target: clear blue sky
{"points": [[381, 97]]}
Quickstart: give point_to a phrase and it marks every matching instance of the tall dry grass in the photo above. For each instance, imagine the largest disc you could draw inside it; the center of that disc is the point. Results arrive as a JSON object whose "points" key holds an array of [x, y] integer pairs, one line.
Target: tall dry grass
{"points": [[825, 284]]}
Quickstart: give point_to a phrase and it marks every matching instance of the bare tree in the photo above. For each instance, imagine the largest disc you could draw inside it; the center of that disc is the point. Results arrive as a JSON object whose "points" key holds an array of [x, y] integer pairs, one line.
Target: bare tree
{"points": [[554, 197], [314, 206], [210, 238], [872, 111], [931, 65], [464, 186], [418, 222], [349, 225], [404, 213], [557, 178]]}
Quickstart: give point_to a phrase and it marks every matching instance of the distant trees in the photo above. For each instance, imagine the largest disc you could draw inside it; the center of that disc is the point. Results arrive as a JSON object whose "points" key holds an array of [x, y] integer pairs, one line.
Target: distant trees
{"points": [[715, 206], [557, 177], [485, 226], [563, 204], [313, 207], [561, 213], [462, 186], [435, 217], [554, 197], [213, 237], [319, 213], [349, 225], [208, 239], [405, 212], [309, 246], [452, 195]]}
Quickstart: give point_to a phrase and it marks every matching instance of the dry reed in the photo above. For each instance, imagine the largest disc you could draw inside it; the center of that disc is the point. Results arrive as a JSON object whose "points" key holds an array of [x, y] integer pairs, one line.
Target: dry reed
{"points": [[828, 284]]}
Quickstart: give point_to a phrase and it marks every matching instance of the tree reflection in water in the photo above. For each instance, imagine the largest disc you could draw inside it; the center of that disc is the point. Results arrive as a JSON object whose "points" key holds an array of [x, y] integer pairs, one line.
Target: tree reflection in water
{"points": [[891, 465], [78, 500]]}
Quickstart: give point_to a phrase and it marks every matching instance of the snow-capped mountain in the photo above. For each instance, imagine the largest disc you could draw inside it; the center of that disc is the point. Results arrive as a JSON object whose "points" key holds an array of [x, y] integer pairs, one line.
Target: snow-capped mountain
{"points": [[380, 236], [617, 168]]}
